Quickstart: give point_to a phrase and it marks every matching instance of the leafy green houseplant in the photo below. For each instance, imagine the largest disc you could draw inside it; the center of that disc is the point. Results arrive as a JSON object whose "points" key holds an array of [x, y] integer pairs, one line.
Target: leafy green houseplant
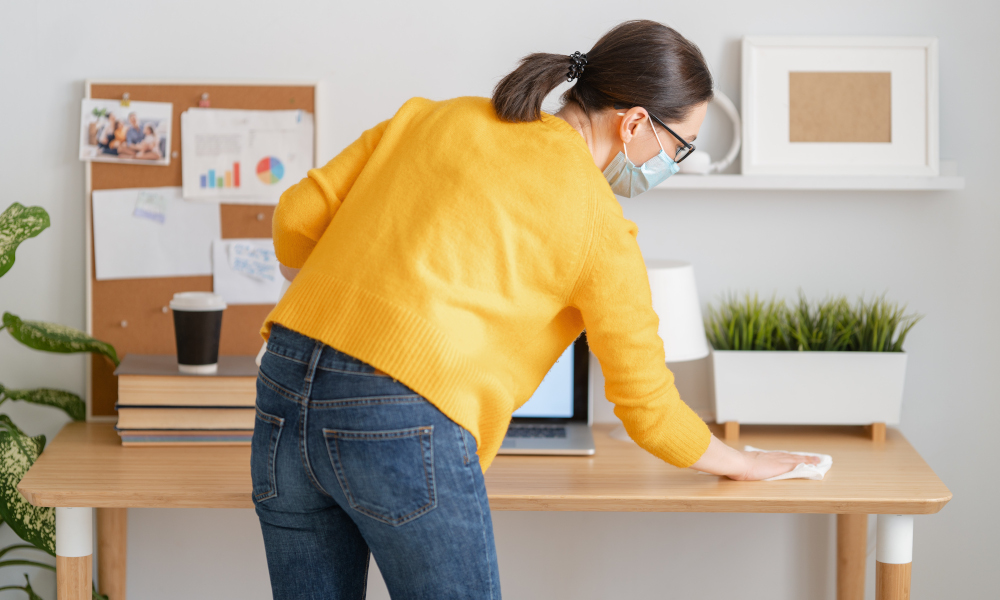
{"points": [[18, 451], [827, 362]]}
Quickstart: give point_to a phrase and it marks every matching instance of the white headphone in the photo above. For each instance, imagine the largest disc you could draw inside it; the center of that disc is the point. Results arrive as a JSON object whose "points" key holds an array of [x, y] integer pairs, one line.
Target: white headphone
{"points": [[700, 163]]}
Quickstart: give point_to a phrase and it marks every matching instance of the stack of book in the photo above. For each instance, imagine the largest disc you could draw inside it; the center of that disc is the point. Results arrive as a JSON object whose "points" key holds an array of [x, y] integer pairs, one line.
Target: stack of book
{"points": [[158, 405]]}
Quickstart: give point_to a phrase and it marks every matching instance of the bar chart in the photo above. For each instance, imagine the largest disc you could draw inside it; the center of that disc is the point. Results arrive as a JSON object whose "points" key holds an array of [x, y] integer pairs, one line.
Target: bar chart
{"points": [[222, 178]]}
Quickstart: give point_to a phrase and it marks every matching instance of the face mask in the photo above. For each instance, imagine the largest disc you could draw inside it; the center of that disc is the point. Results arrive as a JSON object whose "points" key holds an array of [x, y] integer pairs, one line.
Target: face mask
{"points": [[628, 180]]}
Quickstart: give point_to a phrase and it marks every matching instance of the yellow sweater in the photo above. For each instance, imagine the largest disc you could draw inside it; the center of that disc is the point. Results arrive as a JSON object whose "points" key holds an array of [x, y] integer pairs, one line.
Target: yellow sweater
{"points": [[462, 254]]}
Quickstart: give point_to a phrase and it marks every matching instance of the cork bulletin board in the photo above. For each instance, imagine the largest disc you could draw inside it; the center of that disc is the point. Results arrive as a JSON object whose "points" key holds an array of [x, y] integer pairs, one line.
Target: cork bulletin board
{"points": [[132, 314]]}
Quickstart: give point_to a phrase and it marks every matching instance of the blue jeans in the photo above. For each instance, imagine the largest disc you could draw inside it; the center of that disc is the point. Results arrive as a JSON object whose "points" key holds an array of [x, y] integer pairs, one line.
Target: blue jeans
{"points": [[347, 461]]}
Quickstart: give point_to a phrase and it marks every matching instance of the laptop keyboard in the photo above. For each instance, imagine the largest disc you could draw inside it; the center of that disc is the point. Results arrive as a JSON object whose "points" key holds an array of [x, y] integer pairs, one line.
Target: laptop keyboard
{"points": [[536, 431]]}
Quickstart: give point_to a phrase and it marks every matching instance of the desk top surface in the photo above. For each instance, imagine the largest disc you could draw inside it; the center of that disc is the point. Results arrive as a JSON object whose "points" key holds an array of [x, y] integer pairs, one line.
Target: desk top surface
{"points": [[86, 465]]}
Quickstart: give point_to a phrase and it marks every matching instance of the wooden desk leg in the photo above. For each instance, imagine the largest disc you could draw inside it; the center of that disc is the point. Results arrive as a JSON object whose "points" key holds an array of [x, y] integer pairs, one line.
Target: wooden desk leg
{"points": [[878, 432], [74, 553], [731, 433], [893, 557], [852, 548], [112, 539]]}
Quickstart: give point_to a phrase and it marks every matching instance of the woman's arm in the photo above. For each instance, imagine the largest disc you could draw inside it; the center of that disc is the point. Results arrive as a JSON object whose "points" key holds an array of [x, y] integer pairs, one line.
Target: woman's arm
{"points": [[720, 459], [614, 299], [305, 210]]}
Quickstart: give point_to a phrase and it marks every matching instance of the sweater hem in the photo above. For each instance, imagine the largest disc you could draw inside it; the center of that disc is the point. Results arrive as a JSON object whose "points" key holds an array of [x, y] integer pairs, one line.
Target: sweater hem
{"points": [[402, 344]]}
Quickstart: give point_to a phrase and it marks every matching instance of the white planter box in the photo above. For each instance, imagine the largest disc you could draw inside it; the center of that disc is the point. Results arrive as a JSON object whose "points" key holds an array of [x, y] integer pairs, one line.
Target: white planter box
{"points": [[809, 388]]}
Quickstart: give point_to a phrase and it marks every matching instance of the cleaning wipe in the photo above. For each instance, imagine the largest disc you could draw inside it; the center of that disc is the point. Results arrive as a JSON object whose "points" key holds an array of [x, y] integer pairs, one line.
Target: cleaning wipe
{"points": [[801, 470]]}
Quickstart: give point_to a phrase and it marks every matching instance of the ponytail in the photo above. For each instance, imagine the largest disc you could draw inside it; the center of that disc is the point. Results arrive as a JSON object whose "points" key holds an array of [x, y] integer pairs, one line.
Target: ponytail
{"points": [[518, 97], [637, 63]]}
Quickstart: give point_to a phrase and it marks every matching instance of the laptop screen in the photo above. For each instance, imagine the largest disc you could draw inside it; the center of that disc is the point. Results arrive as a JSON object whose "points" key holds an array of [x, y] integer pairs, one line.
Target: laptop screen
{"points": [[554, 396]]}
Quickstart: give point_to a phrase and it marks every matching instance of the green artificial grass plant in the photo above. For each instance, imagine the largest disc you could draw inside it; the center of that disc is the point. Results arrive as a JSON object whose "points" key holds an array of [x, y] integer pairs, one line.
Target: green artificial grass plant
{"points": [[833, 325]]}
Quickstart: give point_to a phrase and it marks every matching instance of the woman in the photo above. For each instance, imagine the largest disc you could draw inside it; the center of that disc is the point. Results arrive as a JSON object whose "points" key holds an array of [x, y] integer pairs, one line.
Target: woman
{"points": [[111, 135], [441, 264], [148, 147]]}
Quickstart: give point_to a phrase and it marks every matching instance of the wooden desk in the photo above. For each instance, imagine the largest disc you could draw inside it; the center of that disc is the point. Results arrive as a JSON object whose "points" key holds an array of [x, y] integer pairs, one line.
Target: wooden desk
{"points": [[86, 466]]}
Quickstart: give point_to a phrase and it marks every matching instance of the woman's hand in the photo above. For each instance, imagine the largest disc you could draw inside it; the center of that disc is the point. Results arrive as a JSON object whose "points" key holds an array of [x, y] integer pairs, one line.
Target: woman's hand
{"points": [[288, 272], [763, 465], [720, 459]]}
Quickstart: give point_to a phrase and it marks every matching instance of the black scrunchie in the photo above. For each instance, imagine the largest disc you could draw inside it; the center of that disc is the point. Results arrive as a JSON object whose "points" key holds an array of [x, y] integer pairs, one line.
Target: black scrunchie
{"points": [[576, 69]]}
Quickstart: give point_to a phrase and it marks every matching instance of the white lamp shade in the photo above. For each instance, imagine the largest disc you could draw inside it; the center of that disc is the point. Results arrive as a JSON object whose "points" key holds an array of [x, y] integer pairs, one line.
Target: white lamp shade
{"points": [[675, 300]]}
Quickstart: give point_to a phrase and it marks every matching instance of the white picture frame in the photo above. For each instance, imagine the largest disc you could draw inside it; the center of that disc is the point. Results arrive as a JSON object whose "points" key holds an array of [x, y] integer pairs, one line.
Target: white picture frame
{"points": [[912, 63]]}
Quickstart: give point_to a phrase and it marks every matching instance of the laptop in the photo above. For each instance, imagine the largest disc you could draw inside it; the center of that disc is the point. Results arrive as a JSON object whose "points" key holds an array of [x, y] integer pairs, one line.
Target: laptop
{"points": [[556, 419]]}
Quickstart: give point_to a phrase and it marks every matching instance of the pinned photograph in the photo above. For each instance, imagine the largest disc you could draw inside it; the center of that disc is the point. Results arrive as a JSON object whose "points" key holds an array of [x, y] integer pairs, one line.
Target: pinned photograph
{"points": [[128, 132]]}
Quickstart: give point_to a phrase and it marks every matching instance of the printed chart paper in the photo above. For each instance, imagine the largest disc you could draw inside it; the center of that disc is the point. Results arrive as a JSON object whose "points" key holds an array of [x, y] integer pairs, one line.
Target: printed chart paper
{"points": [[244, 156], [152, 232], [245, 271]]}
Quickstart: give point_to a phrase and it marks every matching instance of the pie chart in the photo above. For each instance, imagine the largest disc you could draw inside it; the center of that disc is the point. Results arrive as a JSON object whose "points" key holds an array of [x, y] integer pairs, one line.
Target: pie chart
{"points": [[270, 170]]}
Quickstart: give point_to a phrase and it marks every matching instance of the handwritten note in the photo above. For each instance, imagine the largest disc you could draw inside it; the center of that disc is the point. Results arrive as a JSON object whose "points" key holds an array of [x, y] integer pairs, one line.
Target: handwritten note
{"points": [[151, 205], [256, 261], [245, 271]]}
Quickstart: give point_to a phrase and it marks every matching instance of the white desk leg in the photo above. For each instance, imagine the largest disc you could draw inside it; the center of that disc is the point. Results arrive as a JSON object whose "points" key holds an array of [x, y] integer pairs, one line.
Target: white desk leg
{"points": [[893, 557], [74, 553]]}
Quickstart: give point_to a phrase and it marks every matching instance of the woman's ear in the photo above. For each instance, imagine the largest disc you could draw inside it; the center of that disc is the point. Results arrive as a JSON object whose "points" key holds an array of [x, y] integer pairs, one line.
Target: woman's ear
{"points": [[630, 122]]}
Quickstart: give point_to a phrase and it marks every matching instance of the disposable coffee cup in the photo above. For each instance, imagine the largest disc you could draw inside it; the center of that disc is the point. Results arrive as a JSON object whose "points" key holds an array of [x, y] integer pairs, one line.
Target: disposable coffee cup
{"points": [[197, 326]]}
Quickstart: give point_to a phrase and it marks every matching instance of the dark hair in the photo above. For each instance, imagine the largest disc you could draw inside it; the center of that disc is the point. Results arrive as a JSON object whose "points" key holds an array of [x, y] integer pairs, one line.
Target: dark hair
{"points": [[638, 63]]}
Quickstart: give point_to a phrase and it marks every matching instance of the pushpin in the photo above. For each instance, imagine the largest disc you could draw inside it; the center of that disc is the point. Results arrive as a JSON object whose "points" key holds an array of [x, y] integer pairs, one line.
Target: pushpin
{"points": [[204, 102], [125, 100]]}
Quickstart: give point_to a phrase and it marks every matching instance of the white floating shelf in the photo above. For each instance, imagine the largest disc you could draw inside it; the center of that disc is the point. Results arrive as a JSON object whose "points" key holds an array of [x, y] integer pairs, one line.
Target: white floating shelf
{"points": [[949, 180]]}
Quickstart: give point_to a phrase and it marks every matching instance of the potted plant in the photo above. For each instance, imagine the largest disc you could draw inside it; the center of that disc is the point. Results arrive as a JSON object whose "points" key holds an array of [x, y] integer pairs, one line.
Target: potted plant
{"points": [[830, 362], [33, 524]]}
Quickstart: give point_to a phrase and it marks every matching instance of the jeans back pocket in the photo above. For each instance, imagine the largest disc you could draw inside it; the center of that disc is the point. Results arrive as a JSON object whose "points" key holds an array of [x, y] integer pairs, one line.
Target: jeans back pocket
{"points": [[386, 475], [263, 452]]}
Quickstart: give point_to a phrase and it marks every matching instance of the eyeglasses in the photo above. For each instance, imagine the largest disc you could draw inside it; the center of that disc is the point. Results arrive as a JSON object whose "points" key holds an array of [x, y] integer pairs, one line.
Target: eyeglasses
{"points": [[684, 151]]}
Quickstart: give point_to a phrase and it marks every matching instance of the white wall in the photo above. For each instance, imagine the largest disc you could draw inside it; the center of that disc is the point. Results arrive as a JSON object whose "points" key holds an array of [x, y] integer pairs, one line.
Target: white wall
{"points": [[936, 251]]}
